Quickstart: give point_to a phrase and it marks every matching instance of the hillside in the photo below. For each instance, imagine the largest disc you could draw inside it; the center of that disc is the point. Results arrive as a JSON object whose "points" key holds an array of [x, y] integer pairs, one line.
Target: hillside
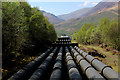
{"points": [[52, 18], [74, 14], [107, 9], [101, 7]]}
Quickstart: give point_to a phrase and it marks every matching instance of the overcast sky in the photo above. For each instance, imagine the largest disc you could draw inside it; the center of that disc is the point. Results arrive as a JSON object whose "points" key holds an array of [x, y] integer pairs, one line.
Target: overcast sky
{"points": [[62, 7]]}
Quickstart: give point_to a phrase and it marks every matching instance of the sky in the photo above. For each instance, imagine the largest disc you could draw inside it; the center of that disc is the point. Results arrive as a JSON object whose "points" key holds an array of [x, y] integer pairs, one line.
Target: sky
{"points": [[59, 8]]}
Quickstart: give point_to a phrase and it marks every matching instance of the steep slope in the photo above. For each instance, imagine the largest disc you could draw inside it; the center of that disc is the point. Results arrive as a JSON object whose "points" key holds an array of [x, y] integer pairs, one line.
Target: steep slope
{"points": [[74, 14], [101, 7], [52, 18], [109, 10]]}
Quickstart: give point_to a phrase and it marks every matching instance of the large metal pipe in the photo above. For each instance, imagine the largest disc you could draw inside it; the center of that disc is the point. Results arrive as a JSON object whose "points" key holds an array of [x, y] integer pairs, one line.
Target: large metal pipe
{"points": [[89, 58], [57, 73], [93, 74], [107, 71], [75, 54], [19, 75], [84, 65], [38, 74], [90, 72], [79, 58], [68, 58], [70, 64], [84, 54], [30, 66], [58, 65], [72, 70], [74, 74], [110, 74]]}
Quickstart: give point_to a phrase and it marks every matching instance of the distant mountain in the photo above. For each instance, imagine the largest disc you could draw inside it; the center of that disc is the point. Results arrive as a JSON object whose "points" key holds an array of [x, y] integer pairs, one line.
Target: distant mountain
{"points": [[52, 18], [74, 14], [101, 7], [101, 10]]}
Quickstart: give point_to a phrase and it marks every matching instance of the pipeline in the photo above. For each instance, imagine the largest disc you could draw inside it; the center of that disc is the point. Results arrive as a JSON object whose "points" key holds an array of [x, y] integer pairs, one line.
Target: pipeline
{"points": [[105, 70], [57, 69], [90, 72], [72, 70], [22, 73], [38, 74]]}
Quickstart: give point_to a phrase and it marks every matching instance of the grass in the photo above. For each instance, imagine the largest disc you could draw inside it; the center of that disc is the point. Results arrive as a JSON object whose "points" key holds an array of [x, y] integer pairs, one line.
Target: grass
{"points": [[73, 41]]}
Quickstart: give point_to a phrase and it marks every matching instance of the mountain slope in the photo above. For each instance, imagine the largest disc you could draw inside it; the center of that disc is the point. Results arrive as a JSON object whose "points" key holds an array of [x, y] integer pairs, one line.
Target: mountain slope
{"points": [[74, 14], [52, 18], [74, 25], [101, 7], [109, 10]]}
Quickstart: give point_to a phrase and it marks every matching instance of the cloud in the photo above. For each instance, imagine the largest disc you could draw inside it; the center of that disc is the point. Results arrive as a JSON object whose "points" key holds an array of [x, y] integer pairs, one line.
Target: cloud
{"points": [[32, 6], [86, 3], [41, 8], [51, 8], [94, 3], [79, 5]]}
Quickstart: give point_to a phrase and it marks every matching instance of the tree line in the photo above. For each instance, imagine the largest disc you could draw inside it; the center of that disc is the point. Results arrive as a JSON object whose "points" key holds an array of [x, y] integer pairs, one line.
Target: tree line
{"points": [[24, 27], [106, 32]]}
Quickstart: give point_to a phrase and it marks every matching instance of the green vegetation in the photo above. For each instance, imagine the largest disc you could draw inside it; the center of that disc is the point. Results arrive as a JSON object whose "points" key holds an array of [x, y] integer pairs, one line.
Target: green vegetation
{"points": [[106, 32], [25, 32]]}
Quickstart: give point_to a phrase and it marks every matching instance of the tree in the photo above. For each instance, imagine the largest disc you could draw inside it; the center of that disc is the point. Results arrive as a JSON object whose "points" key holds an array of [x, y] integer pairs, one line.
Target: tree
{"points": [[106, 32], [12, 18], [103, 28], [41, 31], [23, 25], [89, 37], [112, 35]]}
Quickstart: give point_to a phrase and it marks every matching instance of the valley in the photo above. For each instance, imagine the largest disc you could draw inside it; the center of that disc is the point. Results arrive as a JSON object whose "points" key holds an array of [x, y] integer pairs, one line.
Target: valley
{"points": [[72, 22]]}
